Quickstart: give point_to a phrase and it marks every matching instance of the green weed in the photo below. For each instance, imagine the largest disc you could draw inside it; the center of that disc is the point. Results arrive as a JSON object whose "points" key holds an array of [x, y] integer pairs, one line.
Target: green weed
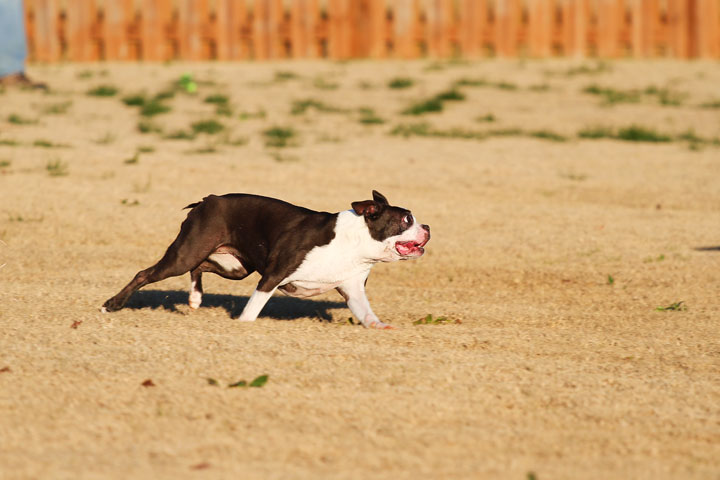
{"points": [[452, 95], [369, 117], [542, 87], [596, 132], [471, 82], [57, 168], [16, 119], [424, 106], [548, 135], [280, 158], [610, 280], [260, 114], [147, 126], [711, 104], [103, 91], [284, 75], [430, 320], [9, 142], [612, 96], [180, 135], [57, 108], [132, 160], [636, 133], [301, 106], [210, 127], [673, 307], [217, 99], [136, 100], [203, 150], [401, 83], [153, 107], [129, 203], [256, 383], [279, 136], [48, 144], [487, 118], [146, 149], [5, 163], [322, 84]]}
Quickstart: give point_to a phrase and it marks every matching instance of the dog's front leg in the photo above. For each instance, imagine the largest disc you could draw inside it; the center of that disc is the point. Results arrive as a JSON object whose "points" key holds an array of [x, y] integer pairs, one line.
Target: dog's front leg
{"points": [[256, 303], [353, 291]]}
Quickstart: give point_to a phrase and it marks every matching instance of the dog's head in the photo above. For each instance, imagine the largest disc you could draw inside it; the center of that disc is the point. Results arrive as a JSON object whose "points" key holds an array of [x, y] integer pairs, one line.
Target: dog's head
{"points": [[395, 227]]}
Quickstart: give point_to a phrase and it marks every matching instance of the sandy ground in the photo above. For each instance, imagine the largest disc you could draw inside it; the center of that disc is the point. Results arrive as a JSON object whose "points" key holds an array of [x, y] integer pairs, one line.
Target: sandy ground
{"points": [[549, 259]]}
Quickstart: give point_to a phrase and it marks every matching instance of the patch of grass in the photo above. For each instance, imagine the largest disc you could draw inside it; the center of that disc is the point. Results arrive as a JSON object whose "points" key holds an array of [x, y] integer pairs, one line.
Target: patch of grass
{"points": [[57, 108], [506, 86], [301, 106], [224, 110], [203, 150], [612, 96], [322, 84], [284, 75], [430, 320], [147, 126], [281, 158], [424, 106], [103, 91], [487, 118], [401, 83], [673, 307], [165, 95], [9, 142], [637, 133], [135, 100], [180, 135], [153, 107], [57, 168], [235, 142], [217, 99], [16, 119], [279, 136], [258, 382], [132, 160], [5, 163], [84, 74], [584, 69], [260, 114], [711, 104], [659, 258], [610, 280], [452, 95], [471, 82], [146, 149], [210, 127], [541, 87], [596, 132], [548, 135], [128, 203], [369, 117], [42, 143]]}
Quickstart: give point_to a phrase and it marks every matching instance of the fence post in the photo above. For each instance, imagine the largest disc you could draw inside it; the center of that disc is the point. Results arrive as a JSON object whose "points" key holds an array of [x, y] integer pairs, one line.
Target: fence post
{"points": [[80, 18], [644, 23], [304, 15], [610, 15], [155, 16], [473, 22], [405, 17], [339, 34], [705, 37], [678, 28], [439, 15], [540, 17], [507, 20]]}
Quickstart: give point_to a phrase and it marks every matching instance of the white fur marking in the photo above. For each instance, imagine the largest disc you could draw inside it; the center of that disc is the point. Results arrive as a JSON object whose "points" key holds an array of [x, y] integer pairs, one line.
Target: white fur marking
{"points": [[195, 296], [226, 261]]}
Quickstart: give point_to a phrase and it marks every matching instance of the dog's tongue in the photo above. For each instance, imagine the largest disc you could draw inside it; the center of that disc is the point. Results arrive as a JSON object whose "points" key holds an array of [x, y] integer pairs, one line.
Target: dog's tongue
{"points": [[404, 248]]}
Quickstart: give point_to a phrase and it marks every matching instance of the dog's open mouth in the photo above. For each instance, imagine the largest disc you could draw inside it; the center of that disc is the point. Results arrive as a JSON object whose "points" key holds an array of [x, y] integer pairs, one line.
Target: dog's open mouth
{"points": [[410, 249]]}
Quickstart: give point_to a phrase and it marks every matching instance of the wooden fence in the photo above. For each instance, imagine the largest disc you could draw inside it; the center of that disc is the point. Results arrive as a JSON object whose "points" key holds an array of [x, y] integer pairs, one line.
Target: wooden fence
{"points": [[157, 30]]}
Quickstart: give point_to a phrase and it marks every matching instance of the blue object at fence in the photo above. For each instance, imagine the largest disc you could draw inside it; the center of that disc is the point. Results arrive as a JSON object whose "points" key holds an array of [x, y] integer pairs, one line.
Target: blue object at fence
{"points": [[13, 47]]}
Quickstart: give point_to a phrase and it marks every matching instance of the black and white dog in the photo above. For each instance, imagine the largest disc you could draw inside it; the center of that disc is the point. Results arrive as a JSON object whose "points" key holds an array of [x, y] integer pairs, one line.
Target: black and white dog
{"points": [[299, 251]]}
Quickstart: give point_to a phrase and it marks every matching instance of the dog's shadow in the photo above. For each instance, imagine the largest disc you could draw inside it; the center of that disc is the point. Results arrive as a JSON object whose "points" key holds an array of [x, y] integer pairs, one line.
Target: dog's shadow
{"points": [[278, 307]]}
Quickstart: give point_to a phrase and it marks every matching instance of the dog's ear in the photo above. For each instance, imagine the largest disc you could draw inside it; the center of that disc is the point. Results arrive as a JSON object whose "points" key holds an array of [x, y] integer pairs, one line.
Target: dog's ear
{"points": [[380, 198], [367, 208]]}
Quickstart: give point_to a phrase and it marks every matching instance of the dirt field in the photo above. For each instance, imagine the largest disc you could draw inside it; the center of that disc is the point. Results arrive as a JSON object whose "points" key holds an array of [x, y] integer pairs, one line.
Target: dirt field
{"points": [[549, 260]]}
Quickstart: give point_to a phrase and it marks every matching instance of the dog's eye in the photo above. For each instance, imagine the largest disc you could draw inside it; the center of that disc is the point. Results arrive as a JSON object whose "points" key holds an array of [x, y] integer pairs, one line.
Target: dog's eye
{"points": [[407, 219]]}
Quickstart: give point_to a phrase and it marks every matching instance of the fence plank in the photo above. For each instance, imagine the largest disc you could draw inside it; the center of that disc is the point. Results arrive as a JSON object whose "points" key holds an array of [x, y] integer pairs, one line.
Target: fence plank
{"points": [[473, 21], [339, 40], [678, 28], [78, 28], [540, 25], [405, 24], [116, 18], [47, 42], [507, 23], [705, 37], [155, 19], [610, 17], [304, 16]]}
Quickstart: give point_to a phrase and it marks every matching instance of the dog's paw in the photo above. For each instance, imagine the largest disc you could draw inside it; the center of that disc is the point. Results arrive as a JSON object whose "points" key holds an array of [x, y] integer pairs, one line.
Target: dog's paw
{"points": [[377, 324]]}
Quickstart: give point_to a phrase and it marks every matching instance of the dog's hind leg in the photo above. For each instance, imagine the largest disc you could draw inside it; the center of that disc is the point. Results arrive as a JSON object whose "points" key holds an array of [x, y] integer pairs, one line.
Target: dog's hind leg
{"points": [[191, 247]]}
